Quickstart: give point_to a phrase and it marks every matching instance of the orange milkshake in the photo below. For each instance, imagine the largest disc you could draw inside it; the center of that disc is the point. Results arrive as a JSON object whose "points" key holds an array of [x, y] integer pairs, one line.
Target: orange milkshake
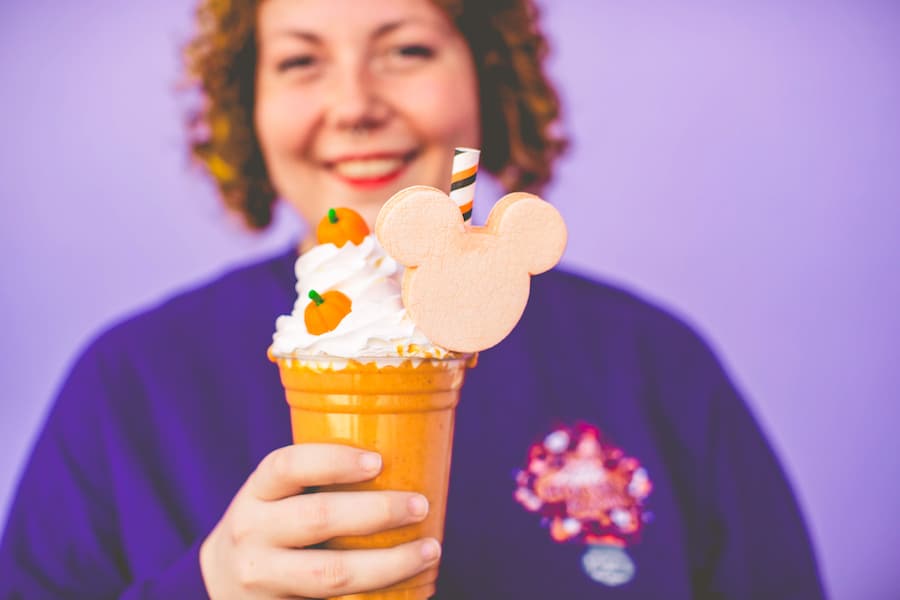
{"points": [[357, 371], [355, 362]]}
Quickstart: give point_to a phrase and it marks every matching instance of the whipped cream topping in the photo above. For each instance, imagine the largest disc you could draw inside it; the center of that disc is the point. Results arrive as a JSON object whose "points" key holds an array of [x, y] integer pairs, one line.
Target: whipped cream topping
{"points": [[377, 325]]}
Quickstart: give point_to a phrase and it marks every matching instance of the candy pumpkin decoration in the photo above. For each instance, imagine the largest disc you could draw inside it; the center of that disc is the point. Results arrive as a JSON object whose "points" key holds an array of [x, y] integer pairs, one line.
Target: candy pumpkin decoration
{"points": [[325, 312], [341, 225]]}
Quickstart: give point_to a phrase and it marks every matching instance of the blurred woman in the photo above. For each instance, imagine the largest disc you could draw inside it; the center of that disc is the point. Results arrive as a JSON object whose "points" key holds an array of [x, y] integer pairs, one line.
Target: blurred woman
{"points": [[165, 468]]}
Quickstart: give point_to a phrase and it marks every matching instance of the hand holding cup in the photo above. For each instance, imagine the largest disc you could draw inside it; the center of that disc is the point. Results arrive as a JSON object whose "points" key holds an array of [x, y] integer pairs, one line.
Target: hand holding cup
{"points": [[263, 547]]}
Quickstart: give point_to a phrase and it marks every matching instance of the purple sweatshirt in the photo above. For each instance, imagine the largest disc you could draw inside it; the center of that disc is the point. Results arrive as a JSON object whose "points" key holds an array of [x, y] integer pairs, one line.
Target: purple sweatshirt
{"points": [[165, 415]]}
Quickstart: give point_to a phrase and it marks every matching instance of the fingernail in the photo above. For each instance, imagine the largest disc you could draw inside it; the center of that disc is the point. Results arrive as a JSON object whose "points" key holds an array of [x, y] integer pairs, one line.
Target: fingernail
{"points": [[418, 506], [370, 461], [430, 550]]}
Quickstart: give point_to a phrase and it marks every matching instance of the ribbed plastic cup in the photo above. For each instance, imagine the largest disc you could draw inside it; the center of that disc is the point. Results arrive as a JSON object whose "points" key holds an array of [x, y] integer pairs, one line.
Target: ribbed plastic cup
{"points": [[403, 409]]}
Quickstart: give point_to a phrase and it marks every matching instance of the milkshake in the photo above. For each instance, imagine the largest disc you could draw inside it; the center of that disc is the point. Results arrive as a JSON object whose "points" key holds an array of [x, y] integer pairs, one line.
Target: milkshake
{"points": [[356, 366], [370, 379]]}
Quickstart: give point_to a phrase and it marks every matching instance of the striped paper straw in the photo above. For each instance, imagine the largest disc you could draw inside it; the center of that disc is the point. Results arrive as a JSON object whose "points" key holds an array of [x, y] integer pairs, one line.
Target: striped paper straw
{"points": [[462, 179]]}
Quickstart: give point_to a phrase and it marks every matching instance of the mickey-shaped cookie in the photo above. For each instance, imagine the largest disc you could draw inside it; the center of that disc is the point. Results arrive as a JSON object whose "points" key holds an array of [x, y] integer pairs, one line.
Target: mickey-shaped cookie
{"points": [[466, 287]]}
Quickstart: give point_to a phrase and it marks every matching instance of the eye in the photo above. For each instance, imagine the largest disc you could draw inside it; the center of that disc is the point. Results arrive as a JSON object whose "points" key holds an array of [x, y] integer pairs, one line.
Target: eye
{"points": [[404, 57], [415, 51], [297, 62]]}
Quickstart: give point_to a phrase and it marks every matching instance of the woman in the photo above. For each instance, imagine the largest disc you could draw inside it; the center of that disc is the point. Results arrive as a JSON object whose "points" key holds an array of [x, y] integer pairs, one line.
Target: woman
{"points": [[165, 469]]}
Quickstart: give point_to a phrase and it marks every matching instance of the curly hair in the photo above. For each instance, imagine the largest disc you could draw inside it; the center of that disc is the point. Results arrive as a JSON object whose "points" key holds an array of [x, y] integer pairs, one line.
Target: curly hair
{"points": [[519, 107]]}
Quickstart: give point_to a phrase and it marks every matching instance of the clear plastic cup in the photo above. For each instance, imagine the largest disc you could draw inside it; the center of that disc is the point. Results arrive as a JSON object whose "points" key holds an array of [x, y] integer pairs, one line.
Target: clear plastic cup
{"points": [[402, 408]]}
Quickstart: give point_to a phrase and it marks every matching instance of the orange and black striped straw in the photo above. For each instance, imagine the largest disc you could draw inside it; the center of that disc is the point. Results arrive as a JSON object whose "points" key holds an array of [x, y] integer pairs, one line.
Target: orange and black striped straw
{"points": [[462, 180]]}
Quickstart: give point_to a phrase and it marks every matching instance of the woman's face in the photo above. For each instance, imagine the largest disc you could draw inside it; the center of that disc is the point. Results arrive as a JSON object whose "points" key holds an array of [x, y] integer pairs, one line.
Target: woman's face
{"points": [[356, 100]]}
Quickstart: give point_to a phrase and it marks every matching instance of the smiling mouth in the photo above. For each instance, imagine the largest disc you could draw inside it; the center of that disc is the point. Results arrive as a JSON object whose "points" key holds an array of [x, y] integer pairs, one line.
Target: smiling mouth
{"points": [[371, 170]]}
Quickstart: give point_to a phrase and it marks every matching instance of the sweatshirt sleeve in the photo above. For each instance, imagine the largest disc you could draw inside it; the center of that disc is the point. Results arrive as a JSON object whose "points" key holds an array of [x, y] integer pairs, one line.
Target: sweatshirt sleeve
{"points": [[181, 580], [758, 545], [61, 539], [746, 536]]}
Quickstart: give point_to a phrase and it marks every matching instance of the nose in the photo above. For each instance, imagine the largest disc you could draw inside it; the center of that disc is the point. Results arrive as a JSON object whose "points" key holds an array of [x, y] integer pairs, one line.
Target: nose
{"points": [[357, 104]]}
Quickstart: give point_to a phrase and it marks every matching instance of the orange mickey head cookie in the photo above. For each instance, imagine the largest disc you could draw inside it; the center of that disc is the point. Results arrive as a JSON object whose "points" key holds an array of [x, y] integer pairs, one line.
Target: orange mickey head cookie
{"points": [[466, 287]]}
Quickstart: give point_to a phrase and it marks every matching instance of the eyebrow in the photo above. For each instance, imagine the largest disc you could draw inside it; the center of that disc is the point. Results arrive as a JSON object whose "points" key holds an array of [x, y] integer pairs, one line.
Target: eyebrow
{"points": [[382, 30], [303, 35], [387, 28]]}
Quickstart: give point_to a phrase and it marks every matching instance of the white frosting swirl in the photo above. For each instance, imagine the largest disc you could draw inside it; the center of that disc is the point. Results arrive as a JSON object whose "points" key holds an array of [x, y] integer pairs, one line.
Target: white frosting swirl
{"points": [[377, 325]]}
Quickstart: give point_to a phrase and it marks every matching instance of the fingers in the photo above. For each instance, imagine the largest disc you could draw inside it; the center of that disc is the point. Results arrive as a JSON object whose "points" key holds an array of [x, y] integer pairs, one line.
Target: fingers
{"points": [[286, 471], [329, 573], [313, 518]]}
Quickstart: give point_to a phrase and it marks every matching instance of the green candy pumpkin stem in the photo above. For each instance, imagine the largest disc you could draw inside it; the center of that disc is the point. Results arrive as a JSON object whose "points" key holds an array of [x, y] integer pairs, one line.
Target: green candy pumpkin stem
{"points": [[315, 297], [332, 216]]}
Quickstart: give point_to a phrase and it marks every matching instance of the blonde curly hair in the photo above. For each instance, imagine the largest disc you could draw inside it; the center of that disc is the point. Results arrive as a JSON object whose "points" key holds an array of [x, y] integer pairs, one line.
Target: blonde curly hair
{"points": [[519, 107]]}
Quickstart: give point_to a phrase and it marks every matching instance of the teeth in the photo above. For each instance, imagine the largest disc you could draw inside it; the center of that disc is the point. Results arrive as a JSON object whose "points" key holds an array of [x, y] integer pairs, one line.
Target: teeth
{"points": [[367, 169]]}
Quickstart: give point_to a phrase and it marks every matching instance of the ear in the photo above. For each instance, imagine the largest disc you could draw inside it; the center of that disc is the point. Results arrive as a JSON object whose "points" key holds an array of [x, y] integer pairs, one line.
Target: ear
{"points": [[417, 223], [531, 229]]}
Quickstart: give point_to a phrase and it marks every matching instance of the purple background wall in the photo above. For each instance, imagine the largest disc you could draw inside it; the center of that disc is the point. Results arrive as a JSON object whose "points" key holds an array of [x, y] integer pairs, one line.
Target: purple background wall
{"points": [[738, 162]]}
